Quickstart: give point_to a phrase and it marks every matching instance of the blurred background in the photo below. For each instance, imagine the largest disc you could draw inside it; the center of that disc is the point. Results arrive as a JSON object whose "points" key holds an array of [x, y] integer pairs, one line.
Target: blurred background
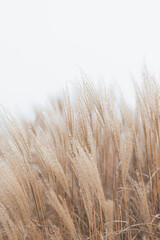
{"points": [[44, 44]]}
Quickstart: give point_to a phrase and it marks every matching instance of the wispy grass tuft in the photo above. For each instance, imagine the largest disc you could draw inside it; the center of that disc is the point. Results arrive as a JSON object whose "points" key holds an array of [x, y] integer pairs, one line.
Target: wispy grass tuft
{"points": [[87, 169]]}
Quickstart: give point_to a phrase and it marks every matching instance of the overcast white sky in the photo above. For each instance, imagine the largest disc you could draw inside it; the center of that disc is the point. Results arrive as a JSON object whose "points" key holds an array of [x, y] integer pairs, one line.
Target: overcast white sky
{"points": [[44, 43]]}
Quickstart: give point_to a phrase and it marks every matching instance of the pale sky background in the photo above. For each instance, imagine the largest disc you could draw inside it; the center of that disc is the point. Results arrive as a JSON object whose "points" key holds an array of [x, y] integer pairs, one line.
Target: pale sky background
{"points": [[44, 43]]}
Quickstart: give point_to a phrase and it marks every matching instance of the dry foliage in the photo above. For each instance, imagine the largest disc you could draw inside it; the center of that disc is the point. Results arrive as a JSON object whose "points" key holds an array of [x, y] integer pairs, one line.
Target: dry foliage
{"points": [[83, 170]]}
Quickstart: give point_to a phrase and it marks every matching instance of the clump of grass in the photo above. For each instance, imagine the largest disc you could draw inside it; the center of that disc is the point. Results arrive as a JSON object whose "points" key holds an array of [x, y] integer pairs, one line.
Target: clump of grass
{"points": [[87, 169]]}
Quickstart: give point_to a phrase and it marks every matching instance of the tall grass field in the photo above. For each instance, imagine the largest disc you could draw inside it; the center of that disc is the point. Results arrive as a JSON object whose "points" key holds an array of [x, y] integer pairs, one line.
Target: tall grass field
{"points": [[84, 169]]}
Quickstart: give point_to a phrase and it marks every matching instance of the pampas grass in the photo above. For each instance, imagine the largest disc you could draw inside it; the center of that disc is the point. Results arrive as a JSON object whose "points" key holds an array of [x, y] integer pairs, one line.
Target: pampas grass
{"points": [[87, 169]]}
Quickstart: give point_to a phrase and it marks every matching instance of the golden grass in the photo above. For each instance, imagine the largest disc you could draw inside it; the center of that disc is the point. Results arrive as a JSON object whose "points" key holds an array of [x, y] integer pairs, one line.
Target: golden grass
{"points": [[83, 170]]}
